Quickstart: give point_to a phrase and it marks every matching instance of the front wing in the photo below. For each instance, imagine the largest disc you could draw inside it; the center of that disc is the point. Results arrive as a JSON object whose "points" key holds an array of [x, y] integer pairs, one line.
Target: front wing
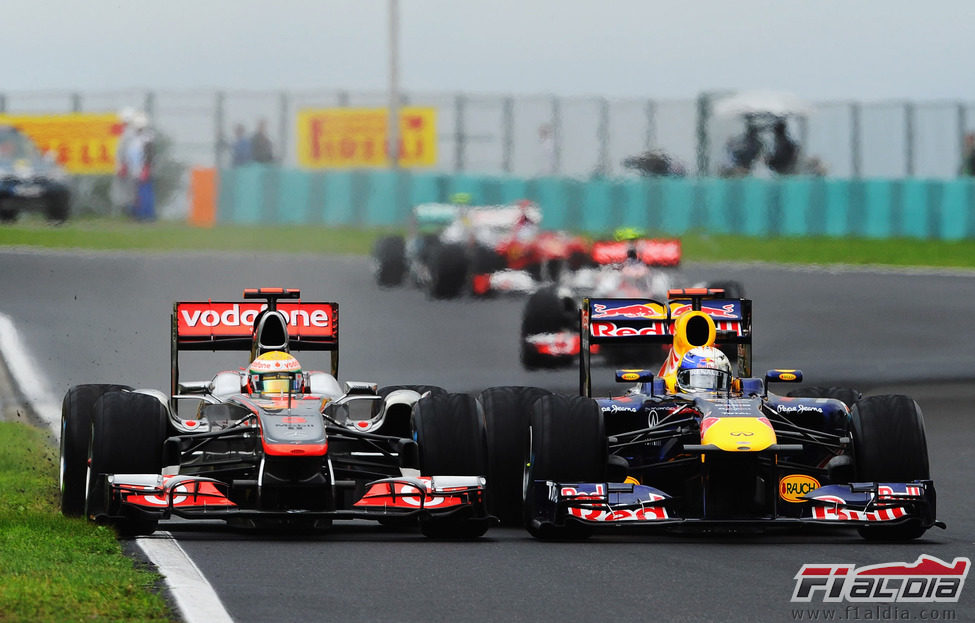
{"points": [[154, 496], [623, 504]]}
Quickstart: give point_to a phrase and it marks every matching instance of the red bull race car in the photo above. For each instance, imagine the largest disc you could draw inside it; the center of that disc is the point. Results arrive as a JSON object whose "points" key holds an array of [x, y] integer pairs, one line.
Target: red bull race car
{"points": [[271, 444], [641, 268], [700, 446]]}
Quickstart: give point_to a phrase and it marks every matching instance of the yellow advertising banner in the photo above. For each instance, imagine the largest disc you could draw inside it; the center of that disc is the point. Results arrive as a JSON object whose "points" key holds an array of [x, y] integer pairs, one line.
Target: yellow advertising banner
{"points": [[357, 137], [83, 143]]}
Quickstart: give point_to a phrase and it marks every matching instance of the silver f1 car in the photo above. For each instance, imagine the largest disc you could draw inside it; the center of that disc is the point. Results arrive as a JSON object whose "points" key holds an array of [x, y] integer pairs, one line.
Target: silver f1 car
{"points": [[300, 454]]}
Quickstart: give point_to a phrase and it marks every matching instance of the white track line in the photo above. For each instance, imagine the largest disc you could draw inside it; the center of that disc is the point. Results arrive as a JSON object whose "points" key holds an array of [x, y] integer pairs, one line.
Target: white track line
{"points": [[193, 595], [25, 374], [195, 598]]}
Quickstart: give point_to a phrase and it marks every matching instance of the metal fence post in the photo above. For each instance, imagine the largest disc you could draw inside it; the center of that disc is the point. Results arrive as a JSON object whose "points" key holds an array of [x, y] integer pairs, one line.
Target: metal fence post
{"points": [[962, 130], [703, 142], [556, 136], [602, 135], [149, 105], [283, 108], [218, 121], [507, 133], [856, 158], [651, 114], [909, 151], [459, 102]]}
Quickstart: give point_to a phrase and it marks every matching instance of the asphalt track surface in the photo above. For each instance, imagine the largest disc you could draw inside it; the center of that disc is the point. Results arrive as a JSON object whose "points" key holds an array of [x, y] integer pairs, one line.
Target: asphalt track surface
{"points": [[104, 317]]}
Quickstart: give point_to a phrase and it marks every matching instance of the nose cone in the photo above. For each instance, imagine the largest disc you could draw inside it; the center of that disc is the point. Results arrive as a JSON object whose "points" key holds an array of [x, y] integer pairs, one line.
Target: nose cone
{"points": [[739, 434]]}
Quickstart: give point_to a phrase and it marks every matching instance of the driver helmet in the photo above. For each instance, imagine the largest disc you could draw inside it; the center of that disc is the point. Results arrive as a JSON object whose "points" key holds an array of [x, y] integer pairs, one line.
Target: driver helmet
{"points": [[704, 369], [275, 372]]}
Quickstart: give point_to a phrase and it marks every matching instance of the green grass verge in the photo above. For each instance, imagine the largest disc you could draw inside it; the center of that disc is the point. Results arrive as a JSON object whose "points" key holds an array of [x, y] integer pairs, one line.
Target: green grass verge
{"points": [[100, 233], [54, 568]]}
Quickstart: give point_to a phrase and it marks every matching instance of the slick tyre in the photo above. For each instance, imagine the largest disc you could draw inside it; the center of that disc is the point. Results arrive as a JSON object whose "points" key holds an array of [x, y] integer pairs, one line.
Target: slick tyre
{"points": [[545, 312], [448, 271], [397, 417], [507, 415], [128, 431], [450, 433], [566, 444], [889, 445], [846, 395], [390, 256], [77, 410]]}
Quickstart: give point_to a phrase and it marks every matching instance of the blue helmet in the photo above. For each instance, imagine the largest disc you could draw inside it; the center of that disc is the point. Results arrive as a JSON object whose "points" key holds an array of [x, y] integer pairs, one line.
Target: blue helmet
{"points": [[704, 369]]}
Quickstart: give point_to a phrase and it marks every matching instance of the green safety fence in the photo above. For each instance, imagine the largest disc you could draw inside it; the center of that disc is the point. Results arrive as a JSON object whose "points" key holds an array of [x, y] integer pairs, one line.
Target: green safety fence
{"points": [[793, 206]]}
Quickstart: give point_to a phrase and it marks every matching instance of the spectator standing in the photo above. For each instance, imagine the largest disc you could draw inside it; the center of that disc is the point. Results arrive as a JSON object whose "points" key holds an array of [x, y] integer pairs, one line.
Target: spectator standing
{"points": [[785, 151], [968, 156], [122, 191], [138, 161], [261, 148], [240, 150]]}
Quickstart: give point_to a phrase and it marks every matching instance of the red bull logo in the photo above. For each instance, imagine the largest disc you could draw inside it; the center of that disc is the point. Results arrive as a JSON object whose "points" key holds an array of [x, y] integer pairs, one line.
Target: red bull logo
{"points": [[637, 310], [724, 311]]}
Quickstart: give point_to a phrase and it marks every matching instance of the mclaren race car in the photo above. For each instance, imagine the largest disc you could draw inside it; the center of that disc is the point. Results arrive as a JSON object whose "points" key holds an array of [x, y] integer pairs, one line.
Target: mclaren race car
{"points": [[699, 445], [271, 444]]}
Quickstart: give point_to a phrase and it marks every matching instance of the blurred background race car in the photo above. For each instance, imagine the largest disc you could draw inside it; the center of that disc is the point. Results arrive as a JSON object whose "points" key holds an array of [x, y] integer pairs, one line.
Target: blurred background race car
{"points": [[627, 268], [30, 181], [455, 248]]}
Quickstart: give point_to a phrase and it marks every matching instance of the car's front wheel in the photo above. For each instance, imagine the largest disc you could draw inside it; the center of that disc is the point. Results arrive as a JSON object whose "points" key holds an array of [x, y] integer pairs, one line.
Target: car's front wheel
{"points": [[889, 445], [127, 435]]}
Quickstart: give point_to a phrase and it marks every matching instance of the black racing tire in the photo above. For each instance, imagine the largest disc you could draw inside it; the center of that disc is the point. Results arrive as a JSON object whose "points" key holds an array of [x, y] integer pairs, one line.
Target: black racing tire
{"points": [[390, 255], [450, 433], [486, 260], [846, 395], [732, 289], [448, 271], [127, 435], [545, 312], [507, 416], [397, 422], [58, 206], [566, 444], [77, 410], [889, 445]]}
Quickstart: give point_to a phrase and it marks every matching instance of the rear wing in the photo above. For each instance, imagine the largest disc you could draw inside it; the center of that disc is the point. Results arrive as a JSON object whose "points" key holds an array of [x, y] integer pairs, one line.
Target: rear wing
{"points": [[247, 326], [647, 321], [652, 252]]}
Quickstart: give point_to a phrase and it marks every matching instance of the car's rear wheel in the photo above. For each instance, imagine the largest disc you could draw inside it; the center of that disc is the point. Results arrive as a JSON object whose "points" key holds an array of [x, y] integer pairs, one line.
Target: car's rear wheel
{"points": [[450, 434], [448, 271], [77, 410], [545, 312], [397, 419], [507, 415], [889, 445], [566, 444], [390, 255], [58, 206], [127, 435]]}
